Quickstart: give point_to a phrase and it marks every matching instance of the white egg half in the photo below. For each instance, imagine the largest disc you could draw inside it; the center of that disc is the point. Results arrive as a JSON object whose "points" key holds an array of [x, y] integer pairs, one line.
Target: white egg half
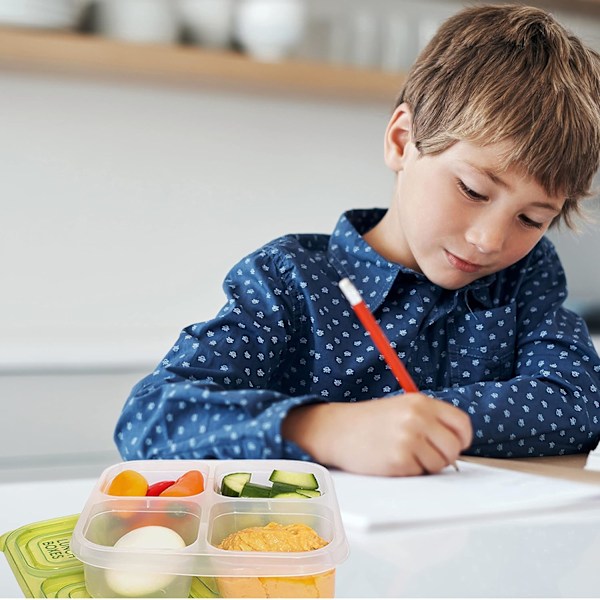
{"points": [[132, 584]]}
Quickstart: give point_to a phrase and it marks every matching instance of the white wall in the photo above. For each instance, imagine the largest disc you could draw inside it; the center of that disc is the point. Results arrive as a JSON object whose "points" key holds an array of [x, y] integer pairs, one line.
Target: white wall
{"points": [[124, 206]]}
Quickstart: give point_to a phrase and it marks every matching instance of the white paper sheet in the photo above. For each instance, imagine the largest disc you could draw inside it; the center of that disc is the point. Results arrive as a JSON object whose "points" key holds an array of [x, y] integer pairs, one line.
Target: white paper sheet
{"points": [[475, 491], [593, 460]]}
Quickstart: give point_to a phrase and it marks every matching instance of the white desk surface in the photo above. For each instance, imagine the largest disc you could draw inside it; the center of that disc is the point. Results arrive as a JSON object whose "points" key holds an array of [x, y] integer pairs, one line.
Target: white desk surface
{"points": [[550, 553]]}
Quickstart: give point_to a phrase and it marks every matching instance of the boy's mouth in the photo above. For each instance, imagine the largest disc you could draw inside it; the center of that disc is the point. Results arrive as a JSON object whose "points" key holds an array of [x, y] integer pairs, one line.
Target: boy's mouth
{"points": [[461, 264]]}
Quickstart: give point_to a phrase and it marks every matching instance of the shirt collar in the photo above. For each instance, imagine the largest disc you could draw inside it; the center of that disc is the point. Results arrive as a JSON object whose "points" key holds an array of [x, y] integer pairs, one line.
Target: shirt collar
{"points": [[372, 274]]}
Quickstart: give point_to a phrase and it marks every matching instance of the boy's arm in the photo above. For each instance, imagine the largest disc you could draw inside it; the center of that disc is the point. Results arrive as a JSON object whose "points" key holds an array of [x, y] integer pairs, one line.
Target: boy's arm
{"points": [[210, 396], [392, 436], [550, 407]]}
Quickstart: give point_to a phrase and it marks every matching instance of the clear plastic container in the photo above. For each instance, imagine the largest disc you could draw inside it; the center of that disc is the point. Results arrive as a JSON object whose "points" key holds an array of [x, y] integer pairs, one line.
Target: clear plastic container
{"points": [[40, 558], [203, 521]]}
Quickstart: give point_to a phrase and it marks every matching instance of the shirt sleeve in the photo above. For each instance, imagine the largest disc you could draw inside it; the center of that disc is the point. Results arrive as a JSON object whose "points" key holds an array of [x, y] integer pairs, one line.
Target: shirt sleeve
{"points": [[213, 395], [550, 406]]}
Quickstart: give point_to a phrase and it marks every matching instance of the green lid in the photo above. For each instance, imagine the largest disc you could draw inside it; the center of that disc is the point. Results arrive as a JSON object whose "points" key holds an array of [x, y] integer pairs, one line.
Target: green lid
{"points": [[44, 566]]}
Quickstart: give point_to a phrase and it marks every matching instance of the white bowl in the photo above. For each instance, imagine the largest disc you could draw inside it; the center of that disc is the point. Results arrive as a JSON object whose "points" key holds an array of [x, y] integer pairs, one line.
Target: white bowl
{"points": [[145, 21], [209, 22], [270, 29], [48, 14]]}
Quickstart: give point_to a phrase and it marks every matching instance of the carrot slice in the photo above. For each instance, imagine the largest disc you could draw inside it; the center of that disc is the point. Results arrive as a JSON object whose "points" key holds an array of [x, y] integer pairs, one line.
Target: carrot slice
{"points": [[188, 484]]}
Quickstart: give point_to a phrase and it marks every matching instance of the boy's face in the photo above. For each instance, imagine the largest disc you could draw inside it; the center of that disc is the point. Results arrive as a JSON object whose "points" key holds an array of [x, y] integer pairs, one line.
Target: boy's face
{"points": [[455, 217]]}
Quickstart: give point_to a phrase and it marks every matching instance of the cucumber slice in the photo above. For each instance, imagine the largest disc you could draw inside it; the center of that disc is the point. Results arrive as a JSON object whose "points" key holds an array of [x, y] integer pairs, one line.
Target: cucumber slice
{"points": [[255, 490], [233, 483], [296, 495], [309, 493], [300, 480], [280, 488]]}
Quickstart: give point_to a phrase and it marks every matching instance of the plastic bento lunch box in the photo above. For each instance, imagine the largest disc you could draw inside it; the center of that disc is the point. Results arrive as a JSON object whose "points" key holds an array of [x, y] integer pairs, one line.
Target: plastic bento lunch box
{"points": [[40, 557], [200, 523]]}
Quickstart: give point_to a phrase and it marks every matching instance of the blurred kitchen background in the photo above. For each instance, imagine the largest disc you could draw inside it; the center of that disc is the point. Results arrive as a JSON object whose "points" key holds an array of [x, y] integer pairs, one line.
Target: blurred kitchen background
{"points": [[146, 146]]}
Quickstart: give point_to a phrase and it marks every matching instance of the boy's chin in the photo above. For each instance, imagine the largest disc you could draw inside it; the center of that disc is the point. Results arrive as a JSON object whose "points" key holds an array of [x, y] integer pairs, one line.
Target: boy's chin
{"points": [[450, 281]]}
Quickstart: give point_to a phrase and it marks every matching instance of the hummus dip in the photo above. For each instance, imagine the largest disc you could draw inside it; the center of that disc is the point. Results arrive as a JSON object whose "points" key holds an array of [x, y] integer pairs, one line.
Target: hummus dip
{"points": [[275, 537]]}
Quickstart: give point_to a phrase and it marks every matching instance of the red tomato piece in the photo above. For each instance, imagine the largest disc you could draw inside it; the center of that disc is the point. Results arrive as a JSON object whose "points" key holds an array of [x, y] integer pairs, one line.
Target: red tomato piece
{"points": [[156, 489]]}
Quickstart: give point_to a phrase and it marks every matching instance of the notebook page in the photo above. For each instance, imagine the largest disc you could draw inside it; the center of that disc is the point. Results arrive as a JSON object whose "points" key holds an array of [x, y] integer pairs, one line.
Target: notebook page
{"points": [[370, 502]]}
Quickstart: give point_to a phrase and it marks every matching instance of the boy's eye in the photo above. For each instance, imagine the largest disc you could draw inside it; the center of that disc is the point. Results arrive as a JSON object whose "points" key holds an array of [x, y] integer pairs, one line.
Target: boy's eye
{"points": [[530, 222], [469, 192]]}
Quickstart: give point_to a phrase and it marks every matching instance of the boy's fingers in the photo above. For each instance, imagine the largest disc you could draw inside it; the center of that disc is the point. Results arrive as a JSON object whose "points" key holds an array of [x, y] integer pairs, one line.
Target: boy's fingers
{"points": [[458, 421], [431, 459], [446, 442]]}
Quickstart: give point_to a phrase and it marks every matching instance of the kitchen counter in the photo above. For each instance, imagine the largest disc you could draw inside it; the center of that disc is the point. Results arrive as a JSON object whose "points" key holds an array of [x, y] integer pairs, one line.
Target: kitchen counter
{"points": [[536, 553]]}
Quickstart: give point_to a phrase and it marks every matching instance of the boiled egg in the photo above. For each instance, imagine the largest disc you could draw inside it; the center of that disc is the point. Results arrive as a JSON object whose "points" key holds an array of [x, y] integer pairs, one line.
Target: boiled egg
{"points": [[135, 584]]}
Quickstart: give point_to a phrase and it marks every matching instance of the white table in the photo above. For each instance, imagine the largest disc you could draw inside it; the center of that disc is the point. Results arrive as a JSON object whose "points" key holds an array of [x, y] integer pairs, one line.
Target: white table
{"points": [[549, 554]]}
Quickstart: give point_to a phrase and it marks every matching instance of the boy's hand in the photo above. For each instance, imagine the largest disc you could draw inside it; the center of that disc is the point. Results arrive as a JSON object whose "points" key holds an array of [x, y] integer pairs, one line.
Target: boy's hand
{"points": [[411, 434]]}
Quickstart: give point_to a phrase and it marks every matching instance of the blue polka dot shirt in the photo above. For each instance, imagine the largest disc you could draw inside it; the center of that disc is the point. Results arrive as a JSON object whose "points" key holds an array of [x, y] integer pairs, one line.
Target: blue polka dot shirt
{"points": [[503, 349]]}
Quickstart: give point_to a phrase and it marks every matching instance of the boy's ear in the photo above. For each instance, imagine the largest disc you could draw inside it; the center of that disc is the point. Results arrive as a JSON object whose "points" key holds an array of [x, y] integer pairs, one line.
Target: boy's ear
{"points": [[397, 137]]}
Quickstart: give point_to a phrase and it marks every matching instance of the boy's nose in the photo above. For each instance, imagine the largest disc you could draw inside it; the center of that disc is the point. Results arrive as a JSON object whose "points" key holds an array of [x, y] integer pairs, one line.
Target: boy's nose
{"points": [[487, 234]]}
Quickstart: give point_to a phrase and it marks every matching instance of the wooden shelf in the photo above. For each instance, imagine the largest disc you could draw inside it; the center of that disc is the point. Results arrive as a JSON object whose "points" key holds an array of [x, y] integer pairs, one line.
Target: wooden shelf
{"points": [[94, 56]]}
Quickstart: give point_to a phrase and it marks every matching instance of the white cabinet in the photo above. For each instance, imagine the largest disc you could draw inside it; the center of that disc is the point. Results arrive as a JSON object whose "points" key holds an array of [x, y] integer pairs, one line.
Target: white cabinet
{"points": [[60, 425]]}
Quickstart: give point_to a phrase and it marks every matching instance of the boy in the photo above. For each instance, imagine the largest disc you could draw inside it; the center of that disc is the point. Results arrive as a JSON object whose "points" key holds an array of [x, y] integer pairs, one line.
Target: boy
{"points": [[495, 138]]}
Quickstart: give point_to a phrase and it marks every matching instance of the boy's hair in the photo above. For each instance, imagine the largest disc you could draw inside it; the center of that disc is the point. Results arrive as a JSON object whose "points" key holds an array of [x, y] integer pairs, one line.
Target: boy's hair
{"points": [[512, 73]]}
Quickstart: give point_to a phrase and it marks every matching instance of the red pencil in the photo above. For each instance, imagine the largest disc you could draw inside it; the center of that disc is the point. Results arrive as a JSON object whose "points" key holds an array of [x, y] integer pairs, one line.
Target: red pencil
{"points": [[383, 344], [379, 338]]}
